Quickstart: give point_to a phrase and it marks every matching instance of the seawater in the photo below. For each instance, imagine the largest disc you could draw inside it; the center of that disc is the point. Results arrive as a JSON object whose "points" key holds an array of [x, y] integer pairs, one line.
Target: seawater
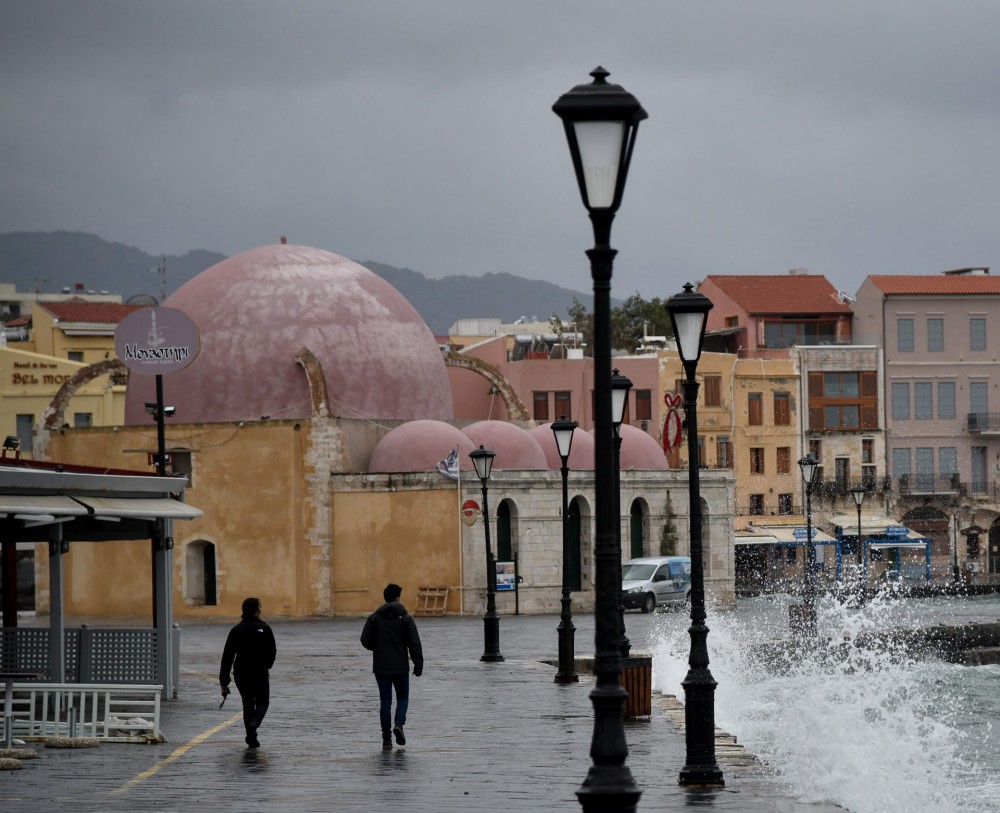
{"points": [[874, 731]]}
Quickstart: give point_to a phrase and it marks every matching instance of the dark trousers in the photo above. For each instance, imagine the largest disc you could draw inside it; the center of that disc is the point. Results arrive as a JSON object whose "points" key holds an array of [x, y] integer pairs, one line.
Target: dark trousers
{"points": [[255, 692], [386, 683]]}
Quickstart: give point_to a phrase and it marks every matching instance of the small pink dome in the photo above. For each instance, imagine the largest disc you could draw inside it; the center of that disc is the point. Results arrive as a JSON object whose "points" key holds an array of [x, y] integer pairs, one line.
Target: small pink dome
{"points": [[516, 448], [639, 450], [255, 311], [581, 453], [420, 446]]}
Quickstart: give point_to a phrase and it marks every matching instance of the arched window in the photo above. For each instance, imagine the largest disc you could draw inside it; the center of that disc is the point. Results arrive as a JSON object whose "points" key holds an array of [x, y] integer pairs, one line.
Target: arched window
{"points": [[200, 579]]}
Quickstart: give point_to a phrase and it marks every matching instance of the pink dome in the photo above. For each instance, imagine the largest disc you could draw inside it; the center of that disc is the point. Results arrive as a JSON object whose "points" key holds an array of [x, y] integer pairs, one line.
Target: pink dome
{"points": [[581, 453], [257, 309], [420, 446], [516, 448], [639, 450]]}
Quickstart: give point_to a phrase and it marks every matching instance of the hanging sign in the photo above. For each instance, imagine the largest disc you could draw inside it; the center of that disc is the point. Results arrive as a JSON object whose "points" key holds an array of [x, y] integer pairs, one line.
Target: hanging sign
{"points": [[156, 341], [470, 512]]}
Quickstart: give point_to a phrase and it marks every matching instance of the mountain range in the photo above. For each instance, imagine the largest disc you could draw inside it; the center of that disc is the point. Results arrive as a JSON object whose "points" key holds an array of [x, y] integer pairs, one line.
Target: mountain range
{"points": [[56, 260]]}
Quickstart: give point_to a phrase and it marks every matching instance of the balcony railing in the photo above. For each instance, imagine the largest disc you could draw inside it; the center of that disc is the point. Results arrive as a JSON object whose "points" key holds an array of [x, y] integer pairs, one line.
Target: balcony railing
{"points": [[842, 486], [983, 422]]}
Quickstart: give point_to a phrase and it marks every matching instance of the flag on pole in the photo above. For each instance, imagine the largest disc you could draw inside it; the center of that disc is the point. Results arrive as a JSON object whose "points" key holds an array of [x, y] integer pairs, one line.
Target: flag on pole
{"points": [[449, 466]]}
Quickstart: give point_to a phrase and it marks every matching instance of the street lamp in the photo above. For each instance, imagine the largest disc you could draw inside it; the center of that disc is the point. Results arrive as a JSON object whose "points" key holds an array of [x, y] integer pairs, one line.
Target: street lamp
{"points": [[858, 493], [563, 431], [601, 121], [620, 387], [482, 459], [688, 314], [805, 616]]}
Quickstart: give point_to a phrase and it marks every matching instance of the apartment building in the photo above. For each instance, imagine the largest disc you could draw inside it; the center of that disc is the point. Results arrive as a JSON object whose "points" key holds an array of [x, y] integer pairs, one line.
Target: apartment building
{"points": [[942, 408]]}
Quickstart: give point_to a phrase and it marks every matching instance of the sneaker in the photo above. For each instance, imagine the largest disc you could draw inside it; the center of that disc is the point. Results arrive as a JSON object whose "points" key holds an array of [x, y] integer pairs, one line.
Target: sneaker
{"points": [[251, 740], [398, 731], [386, 742]]}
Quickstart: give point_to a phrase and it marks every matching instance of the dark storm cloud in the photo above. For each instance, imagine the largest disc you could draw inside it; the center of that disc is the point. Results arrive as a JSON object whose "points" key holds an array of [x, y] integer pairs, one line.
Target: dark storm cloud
{"points": [[850, 137]]}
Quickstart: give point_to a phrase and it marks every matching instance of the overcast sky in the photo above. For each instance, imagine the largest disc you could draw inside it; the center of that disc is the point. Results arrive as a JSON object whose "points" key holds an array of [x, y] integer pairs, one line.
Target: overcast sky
{"points": [[849, 137]]}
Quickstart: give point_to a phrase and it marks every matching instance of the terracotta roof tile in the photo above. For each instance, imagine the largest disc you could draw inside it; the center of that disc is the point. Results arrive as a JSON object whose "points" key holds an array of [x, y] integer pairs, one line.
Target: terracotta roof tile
{"points": [[781, 293], [937, 284], [102, 313]]}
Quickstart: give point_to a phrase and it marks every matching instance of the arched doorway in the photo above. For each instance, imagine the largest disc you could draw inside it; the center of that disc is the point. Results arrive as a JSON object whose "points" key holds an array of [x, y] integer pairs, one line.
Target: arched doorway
{"points": [[638, 529], [200, 571]]}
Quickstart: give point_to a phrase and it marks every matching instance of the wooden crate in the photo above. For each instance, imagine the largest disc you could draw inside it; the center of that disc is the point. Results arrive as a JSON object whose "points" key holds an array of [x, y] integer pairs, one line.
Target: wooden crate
{"points": [[431, 601]]}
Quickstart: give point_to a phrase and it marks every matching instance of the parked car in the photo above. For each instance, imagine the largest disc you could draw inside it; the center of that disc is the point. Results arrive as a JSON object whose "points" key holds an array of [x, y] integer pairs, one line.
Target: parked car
{"points": [[653, 581]]}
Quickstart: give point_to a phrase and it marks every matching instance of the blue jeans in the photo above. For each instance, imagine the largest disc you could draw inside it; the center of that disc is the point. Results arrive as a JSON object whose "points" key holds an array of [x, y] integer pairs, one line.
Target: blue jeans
{"points": [[386, 683]]}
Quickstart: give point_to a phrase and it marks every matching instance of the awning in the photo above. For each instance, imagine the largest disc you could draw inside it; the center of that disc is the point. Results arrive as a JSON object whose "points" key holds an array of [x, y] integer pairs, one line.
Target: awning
{"points": [[40, 509], [870, 525], [754, 539], [140, 508], [795, 535]]}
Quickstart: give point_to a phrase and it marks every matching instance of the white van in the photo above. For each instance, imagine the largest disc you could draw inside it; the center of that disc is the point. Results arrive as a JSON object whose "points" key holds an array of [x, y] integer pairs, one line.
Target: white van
{"points": [[655, 580]]}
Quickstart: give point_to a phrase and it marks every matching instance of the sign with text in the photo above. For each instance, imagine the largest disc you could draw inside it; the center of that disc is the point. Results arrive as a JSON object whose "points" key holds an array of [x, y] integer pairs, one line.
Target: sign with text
{"points": [[156, 341], [897, 530], [505, 576]]}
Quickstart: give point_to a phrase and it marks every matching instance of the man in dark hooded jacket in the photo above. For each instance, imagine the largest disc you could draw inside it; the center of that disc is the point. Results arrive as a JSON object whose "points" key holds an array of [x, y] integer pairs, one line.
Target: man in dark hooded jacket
{"points": [[251, 645], [391, 634]]}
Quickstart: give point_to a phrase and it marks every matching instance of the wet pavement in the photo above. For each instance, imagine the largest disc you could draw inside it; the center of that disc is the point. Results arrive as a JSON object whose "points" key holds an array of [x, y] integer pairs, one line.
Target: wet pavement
{"points": [[480, 736]]}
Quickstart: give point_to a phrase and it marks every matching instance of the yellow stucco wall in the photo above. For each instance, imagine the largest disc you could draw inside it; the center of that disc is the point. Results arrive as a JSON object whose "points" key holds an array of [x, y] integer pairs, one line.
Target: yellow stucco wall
{"points": [[407, 537], [250, 482]]}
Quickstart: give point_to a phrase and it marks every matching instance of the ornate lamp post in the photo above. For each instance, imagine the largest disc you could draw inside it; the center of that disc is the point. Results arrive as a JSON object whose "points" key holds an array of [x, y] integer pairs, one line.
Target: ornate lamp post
{"points": [[620, 387], [806, 618], [563, 430], [688, 314], [482, 459], [601, 121], [858, 493]]}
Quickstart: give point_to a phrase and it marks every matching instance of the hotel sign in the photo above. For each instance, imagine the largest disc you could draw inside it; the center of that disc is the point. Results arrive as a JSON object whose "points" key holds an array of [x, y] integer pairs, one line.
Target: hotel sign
{"points": [[155, 341]]}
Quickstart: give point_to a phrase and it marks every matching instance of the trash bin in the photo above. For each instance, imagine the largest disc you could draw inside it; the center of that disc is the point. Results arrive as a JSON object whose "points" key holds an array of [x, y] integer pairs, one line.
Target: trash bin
{"points": [[637, 678]]}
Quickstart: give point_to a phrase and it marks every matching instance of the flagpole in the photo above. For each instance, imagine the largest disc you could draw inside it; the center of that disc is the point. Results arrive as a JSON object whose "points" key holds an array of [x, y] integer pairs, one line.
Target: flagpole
{"points": [[461, 553]]}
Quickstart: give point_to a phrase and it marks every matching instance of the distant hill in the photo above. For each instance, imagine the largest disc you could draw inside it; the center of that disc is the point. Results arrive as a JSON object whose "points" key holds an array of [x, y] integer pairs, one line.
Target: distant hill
{"points": [[51, 261]]}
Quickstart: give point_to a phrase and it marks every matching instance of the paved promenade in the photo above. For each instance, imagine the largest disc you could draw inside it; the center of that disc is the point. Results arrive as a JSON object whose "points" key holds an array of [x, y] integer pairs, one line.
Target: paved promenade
{"points": [[479, 736]]}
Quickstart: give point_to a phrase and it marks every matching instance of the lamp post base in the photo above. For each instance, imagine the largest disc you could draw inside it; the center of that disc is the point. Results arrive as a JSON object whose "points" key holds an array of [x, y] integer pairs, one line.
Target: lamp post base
{"points": [[567, 660], [802, 619], [491, 639]]}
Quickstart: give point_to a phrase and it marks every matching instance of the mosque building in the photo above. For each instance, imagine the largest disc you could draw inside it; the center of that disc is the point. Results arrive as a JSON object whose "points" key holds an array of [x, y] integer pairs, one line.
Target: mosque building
{"points": [[315, 427]]}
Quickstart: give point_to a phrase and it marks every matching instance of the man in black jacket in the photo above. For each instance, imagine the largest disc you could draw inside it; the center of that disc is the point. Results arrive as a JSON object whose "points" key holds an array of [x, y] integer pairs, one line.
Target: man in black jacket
{"points": [[251, 645], [391, 634]]}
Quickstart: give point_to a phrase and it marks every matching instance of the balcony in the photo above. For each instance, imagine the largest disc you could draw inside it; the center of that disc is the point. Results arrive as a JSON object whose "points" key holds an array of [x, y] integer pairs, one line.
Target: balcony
{"points": [[984, 423], [842, 486], [919, 486]]}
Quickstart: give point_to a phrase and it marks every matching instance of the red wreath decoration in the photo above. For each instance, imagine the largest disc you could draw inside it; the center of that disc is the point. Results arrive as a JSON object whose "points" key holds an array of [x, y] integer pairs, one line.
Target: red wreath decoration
{"points": [[672, 423]]}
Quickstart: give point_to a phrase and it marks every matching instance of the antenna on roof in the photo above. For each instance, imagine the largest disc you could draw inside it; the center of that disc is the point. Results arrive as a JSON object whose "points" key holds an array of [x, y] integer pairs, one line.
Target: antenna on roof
{"points": [[844, 298], [161, 269]]}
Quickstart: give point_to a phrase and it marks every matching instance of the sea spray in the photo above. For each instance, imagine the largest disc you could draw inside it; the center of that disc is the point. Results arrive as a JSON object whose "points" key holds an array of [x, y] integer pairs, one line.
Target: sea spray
{"points": [[873, 728]]}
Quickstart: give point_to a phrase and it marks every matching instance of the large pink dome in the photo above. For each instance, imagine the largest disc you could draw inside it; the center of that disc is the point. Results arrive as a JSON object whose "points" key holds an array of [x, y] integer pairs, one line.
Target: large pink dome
{"points": [[581, 453], [420, 446], [257, 309], [515, 447]]}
